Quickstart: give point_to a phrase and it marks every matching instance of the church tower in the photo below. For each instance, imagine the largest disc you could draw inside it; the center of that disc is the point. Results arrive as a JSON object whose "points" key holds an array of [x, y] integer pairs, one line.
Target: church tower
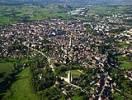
{"points": [[69, 77]]}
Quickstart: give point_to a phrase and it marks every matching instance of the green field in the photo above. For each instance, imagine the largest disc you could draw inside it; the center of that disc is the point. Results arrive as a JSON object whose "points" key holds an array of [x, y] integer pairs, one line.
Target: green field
{"points": [[75, 73], [7, 66], [22, 88], [13, 14], [5, 69], [125, 62]]}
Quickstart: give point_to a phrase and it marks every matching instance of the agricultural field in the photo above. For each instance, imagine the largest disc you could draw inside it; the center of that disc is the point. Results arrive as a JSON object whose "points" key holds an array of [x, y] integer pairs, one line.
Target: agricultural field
{"points": [[13, 14]]}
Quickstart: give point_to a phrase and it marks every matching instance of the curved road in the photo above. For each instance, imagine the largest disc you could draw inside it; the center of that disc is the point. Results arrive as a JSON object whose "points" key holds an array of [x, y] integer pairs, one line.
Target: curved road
{"points": [[52, 67]]}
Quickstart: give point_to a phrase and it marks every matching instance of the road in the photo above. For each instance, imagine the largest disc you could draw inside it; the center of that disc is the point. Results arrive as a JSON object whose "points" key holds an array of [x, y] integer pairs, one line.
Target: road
{"points": [[52, 67], [48, 58]]}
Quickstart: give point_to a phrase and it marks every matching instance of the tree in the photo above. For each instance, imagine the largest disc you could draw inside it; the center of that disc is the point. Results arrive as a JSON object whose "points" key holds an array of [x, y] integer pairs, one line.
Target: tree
{"points": [[52, 93]]}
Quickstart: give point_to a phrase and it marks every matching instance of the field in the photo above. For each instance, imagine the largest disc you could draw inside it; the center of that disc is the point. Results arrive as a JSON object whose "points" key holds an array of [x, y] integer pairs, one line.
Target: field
{"points": [[13, 14], [5, 69], [107, 10], [22, 88]]}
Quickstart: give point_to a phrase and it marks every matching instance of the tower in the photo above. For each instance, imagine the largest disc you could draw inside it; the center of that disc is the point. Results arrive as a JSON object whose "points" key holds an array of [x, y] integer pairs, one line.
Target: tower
{"points": [[69, 77], [70, 42]]}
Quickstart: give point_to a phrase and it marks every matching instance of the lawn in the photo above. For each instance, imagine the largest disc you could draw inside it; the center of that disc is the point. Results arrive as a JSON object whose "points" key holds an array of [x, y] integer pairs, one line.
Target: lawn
{"points": [[75, 73], [22, 88]]}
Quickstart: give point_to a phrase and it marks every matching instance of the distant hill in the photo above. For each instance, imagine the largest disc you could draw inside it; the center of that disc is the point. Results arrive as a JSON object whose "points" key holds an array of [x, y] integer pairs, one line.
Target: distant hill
{"points": [[104, 2], [70, 2]]}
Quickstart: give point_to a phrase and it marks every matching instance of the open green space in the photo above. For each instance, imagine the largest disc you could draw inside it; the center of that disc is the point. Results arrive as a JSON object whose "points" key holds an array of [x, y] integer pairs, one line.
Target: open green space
{"points": [[122, 44], [7, 66], [13, 14], [5, 69], [22, 89], [125, 62], [77, 98], [75, 73], [117, 96]]}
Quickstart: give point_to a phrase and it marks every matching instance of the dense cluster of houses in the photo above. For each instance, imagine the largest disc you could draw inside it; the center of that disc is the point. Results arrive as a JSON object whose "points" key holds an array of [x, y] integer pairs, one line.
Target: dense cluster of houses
{"points": [[65, 41]]}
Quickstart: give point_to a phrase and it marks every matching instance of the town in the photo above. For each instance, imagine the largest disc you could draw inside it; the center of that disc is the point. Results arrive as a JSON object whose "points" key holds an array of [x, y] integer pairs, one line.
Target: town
{"points": [[73, 58]]}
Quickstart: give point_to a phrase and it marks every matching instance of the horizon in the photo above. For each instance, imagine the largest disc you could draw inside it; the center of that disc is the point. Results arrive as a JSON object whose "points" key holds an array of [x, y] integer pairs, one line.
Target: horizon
{"points": [[69, 2]]}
